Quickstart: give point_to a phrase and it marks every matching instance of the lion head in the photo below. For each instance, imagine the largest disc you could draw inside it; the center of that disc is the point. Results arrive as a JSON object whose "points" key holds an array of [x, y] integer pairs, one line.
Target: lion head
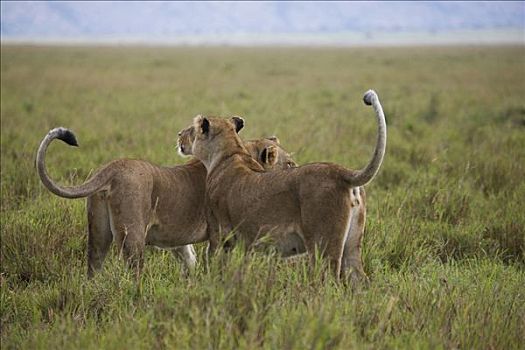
{"points": [[267, 151]]}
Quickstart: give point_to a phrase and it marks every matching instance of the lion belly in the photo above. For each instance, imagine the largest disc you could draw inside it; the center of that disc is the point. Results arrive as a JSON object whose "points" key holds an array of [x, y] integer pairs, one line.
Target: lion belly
{"points": [[284, 238], [169, 237]]}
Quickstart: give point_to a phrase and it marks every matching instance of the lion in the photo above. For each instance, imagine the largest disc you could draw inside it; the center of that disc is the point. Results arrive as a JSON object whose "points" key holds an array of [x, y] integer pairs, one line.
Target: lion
{"points": [[268, 151], [313, 201], [136, 203]]}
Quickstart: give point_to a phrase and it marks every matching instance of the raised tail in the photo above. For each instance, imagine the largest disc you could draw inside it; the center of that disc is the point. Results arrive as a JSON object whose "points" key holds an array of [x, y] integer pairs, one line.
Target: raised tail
{"points": [[91, 186], [364, 176]]}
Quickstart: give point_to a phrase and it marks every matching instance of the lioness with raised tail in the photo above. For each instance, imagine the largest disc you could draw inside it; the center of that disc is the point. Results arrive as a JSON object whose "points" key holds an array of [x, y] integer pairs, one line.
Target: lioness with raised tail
{"points": [[136, 203], [314, 200]]}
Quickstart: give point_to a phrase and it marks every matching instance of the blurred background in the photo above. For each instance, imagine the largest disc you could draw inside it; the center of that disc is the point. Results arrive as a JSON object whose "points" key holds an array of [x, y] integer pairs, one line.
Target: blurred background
{"points": [[263, 23]]}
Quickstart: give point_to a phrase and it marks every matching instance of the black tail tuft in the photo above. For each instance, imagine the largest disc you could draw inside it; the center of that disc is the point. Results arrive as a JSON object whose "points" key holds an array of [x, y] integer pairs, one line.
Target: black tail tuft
{"points": [[368, 97], [67, 136]]}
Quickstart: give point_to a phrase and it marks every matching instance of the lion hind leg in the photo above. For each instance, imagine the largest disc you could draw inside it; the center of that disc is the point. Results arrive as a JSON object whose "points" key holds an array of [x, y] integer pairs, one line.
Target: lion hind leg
{"points": [[133, 247], [327, 235], [352, 263], [99, 232], [129, 230]]}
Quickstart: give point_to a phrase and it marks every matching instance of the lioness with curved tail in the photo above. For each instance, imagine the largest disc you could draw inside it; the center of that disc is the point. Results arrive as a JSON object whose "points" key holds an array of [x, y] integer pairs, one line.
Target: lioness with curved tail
{"points": [[268, 151], [137, 203], [313, 200]]}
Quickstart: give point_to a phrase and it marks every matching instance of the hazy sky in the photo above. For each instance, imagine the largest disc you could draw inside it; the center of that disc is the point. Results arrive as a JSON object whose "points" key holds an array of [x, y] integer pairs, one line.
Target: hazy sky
{"points": [[170, 20]]}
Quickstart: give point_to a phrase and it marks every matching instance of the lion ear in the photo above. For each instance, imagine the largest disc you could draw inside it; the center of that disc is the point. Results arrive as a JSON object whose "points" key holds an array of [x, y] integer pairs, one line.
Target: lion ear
{"points": [[201, 123], [269, 155], [274, 139], [238, 122]]}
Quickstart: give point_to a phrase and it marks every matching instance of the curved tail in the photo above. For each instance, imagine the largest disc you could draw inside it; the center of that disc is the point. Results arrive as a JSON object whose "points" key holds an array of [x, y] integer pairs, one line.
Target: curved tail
{"points": [[91, 186], [364, 176]]}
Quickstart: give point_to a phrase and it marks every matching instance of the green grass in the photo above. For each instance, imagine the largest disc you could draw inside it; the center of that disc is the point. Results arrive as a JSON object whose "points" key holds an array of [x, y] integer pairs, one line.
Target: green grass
{"points": [[445, 236]]}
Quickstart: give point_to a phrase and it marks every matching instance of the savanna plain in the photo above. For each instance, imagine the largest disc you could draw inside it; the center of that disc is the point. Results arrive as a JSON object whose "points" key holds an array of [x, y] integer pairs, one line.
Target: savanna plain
{"points": [[444, 239]]}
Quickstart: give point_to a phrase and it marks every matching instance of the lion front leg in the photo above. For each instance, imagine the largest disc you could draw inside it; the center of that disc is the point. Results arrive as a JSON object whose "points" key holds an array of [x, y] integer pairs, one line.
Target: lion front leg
{"points": [[186, 255], [213, 235]]}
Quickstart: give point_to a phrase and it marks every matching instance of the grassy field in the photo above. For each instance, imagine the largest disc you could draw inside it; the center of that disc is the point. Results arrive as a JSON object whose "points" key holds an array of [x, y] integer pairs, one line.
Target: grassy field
{"points": [[445, 238]]}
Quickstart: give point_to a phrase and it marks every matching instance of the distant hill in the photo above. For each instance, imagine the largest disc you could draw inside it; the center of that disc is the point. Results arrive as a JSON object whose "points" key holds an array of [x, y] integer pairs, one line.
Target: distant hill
{"points": [[168, 20]]}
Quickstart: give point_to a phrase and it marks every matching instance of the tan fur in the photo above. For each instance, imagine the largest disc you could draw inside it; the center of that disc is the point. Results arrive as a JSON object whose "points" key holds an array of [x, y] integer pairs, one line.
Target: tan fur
{"points": [[312, 201], [136, 203], [267, 151], [291, 244]]}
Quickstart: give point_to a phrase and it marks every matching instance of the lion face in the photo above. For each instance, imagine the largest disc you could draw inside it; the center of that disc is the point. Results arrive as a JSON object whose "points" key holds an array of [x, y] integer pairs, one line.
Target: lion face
{"points": [[191, 139], [185, 141], [266, 151], [269, 153], [186, 137]]}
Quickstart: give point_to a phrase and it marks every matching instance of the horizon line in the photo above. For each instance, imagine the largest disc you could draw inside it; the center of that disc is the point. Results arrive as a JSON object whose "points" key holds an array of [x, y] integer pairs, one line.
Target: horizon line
{"points": [[506, 36]]}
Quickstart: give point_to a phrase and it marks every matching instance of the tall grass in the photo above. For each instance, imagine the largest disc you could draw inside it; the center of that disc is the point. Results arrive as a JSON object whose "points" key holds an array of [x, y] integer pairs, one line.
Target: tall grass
{"points": [[445, 236]]}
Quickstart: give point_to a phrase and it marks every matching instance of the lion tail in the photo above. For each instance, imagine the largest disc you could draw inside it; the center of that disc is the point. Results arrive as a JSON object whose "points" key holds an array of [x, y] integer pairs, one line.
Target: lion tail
{"points": [[367, 174], [94, 184]]}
